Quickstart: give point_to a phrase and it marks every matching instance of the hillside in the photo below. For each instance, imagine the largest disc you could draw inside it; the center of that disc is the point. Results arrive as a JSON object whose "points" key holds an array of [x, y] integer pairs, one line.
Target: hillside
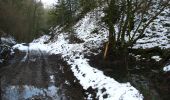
{"points": [[87, 43], [139, 72]]}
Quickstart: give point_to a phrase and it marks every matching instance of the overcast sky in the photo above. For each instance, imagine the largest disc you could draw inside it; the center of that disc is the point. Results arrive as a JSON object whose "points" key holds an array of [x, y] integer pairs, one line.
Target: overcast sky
{"points": [[48, 2]]}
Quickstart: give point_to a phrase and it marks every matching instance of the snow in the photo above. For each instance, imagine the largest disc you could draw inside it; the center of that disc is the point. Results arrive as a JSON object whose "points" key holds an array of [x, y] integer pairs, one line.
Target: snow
{"points": [[166, 68], [156, 58], [31, 46], [28, 91], [157, 34], [91, 77], [52, 78], [74, 55], [20, 47], [1, 60], [36, 45], [8, 40]]}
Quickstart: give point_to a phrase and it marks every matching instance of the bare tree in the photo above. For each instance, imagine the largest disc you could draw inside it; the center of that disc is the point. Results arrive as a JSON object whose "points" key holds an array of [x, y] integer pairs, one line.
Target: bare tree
{"points": [[127, 21]]}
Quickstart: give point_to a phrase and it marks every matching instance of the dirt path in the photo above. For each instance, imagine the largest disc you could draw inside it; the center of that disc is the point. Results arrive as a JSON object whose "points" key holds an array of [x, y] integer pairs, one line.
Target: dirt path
{"points": [[35, 75]]}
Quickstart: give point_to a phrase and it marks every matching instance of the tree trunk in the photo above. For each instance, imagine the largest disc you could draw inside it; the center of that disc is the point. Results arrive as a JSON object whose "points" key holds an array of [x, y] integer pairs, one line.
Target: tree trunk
{"points": [[110, 46]]}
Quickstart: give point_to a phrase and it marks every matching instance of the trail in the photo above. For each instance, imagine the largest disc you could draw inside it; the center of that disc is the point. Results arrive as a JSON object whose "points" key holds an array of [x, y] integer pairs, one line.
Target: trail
{"points": [[36, 75]]}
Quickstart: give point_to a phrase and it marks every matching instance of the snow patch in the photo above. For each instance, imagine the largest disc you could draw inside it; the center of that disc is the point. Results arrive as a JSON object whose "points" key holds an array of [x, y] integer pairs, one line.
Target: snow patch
{"points": [[30, 46], [157, 33], [156, 58], [166, 68], [20, 47]]}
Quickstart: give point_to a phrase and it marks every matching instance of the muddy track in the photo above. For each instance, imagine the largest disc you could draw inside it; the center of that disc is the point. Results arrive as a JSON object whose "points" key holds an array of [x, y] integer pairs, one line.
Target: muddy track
{"points": [[37, 75]]}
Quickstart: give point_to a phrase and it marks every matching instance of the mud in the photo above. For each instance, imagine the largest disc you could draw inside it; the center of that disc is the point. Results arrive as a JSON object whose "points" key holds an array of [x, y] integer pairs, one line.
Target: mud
{"points": [[144, 74], [38, 76]]}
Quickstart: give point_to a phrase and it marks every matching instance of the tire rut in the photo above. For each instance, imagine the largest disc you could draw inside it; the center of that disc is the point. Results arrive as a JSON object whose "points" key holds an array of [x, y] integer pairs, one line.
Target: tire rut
{"points": [[39, 75]]}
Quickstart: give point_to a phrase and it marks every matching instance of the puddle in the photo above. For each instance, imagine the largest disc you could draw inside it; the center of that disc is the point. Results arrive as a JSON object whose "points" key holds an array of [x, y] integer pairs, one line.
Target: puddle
{"points": [[35, 75], [28, 92]]}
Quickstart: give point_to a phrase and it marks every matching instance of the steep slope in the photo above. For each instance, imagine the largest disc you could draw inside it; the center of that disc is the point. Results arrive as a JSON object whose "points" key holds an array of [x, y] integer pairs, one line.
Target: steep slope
{"points": [[74, 54], [158, 33]]}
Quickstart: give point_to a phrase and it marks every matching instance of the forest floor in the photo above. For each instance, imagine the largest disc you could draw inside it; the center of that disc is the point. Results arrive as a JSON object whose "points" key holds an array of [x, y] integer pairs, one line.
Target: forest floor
{"points": [[141, 69]]}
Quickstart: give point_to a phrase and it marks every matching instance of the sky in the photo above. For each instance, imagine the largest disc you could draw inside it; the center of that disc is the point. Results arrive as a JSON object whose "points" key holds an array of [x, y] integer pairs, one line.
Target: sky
{"points": [[48, 3]]}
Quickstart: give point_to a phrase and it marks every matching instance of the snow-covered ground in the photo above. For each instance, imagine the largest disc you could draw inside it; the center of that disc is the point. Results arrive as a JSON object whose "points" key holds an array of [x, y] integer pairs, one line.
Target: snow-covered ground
{"points": [[5, 48], [156, 58], [74, 54], [157, 34], [8, 40], [166, 68]]}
